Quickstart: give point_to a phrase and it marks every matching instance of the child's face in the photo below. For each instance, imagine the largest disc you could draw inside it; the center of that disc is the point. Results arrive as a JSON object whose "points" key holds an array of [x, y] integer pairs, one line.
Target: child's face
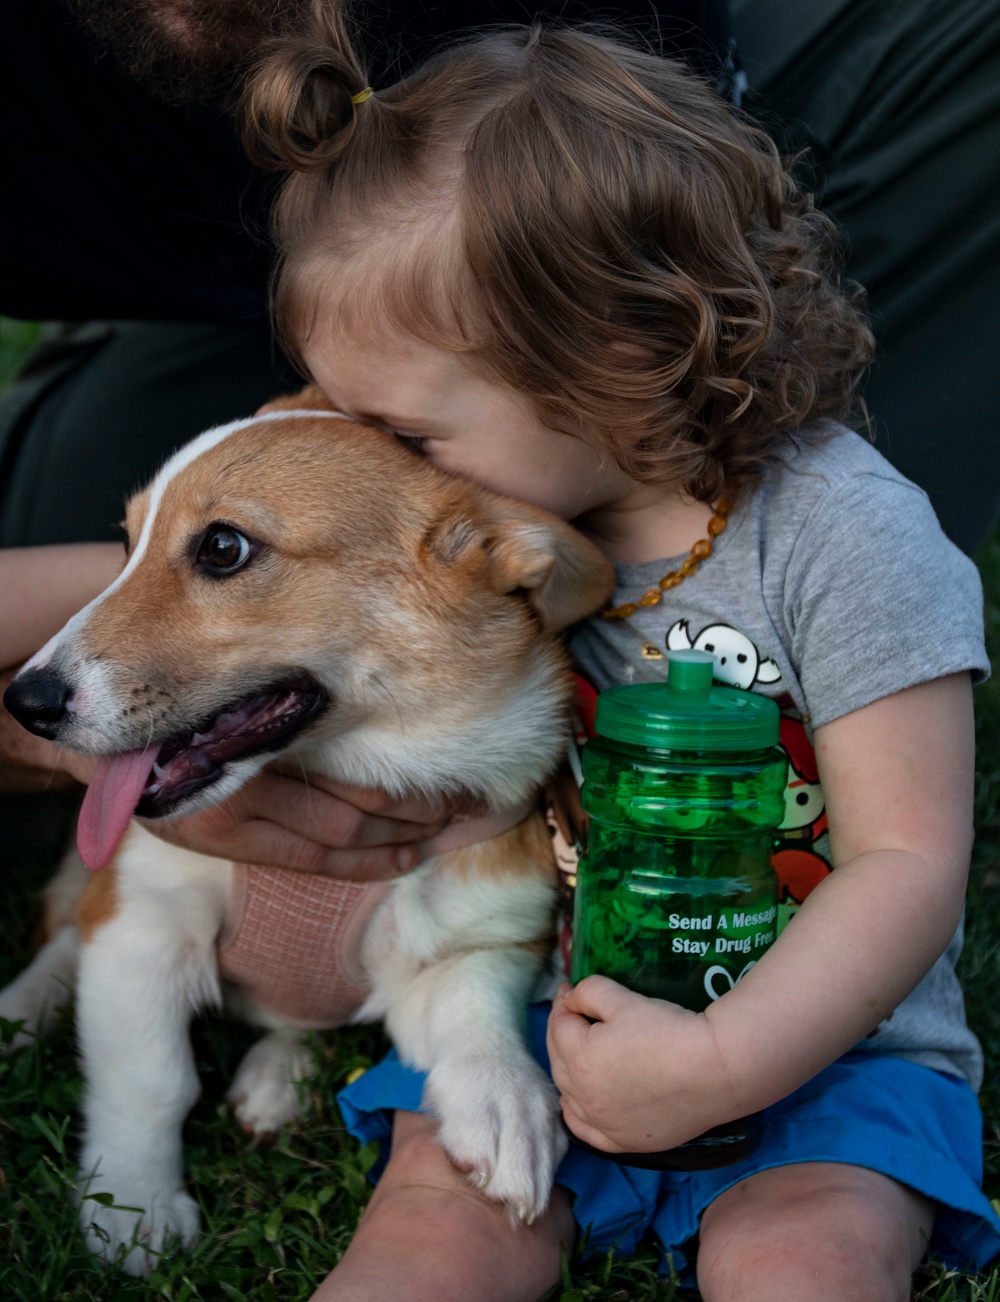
{"points": [[467, 425]]}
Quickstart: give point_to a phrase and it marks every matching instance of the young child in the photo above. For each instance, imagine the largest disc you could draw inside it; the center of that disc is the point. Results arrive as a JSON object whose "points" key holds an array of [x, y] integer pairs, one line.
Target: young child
{"points": [[565, 269]]}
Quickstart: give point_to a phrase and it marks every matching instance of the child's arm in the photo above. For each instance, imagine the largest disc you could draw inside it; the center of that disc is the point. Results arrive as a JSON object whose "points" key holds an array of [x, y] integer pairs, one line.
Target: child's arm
{"points": [[898, 780], [41, 587]]}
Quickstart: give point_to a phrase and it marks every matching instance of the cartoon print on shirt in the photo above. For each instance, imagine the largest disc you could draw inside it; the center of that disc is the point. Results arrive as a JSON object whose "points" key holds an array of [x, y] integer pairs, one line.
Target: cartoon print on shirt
{"points": [[738, 663], [584, 708], [800, 856], [797, 860]]}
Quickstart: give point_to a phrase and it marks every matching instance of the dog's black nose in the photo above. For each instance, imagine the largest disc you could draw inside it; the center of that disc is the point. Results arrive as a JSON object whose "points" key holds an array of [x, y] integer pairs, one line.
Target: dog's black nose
{"points": [[37, 700]]}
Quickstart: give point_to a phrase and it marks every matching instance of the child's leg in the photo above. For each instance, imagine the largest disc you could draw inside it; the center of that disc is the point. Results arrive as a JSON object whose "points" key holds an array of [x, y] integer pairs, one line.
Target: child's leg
{"points": [[429, 1235], [819, 1230]]}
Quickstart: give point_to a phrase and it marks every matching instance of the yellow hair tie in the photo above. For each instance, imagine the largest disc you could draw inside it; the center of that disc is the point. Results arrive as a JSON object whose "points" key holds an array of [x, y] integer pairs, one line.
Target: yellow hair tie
{"points": [[362, 95]]}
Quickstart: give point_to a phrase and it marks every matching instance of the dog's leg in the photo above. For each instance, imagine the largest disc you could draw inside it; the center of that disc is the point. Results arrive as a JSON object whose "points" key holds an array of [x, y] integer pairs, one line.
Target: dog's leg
{"points": [[453, 955], [47, 983], [266, 1092], [138, 987], [145, 967], [49, 980], [462, 1021], [453, 962]]}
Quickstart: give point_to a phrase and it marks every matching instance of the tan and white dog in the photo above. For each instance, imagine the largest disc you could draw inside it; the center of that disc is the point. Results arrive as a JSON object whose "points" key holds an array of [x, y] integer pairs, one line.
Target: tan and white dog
{"points": [[296, 583]]}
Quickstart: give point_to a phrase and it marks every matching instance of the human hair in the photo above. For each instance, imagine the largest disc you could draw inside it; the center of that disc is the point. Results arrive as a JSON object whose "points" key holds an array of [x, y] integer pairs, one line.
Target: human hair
{"points": [[590, 223]]}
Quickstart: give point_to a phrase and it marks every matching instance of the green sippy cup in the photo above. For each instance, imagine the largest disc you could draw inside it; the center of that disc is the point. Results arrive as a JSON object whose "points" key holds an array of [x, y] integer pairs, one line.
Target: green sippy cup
{"points": [[676, 897]]}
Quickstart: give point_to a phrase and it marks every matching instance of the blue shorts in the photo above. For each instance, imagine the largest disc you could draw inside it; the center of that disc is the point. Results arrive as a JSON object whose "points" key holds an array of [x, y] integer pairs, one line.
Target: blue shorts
{"points": [[868, 1109]]}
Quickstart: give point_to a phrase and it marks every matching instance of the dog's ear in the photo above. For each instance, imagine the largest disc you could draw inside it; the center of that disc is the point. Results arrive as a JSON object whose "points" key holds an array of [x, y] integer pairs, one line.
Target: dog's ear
{"points": [[311, 398], [564, 576]]}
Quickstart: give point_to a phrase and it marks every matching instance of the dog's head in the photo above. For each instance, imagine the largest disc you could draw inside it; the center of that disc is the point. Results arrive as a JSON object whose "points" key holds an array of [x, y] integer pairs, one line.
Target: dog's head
{"points": [[298, 581]]}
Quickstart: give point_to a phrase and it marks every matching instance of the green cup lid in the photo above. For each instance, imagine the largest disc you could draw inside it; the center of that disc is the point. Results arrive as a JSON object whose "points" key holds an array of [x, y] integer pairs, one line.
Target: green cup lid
{"points": [[688, 711]]}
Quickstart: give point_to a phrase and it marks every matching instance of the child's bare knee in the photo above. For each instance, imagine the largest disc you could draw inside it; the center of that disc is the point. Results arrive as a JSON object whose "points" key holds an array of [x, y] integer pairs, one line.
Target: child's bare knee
{"points": [[823, 1231], [780, 1268]]}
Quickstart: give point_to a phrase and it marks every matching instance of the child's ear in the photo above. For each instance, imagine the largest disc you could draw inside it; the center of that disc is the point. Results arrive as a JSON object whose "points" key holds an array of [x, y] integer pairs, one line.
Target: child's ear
{"points": [[563, 574]]}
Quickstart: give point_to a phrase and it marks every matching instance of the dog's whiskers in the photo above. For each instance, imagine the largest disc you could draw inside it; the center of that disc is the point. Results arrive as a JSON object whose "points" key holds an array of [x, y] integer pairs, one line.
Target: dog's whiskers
{"points": [[401, 721]]}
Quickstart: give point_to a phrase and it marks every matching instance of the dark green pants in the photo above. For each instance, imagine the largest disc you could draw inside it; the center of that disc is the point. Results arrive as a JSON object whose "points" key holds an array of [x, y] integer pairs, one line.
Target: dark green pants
{"points": [[898, 104], [99, 411]]}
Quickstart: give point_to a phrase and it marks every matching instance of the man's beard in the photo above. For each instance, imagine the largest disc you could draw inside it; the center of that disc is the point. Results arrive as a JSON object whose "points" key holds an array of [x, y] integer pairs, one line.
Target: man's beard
{"points": [[188, 51]]}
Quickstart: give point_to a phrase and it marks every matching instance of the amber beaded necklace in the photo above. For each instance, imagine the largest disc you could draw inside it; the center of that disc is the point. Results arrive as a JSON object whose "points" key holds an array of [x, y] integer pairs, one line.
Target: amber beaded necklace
{"points": [[699, 552]]}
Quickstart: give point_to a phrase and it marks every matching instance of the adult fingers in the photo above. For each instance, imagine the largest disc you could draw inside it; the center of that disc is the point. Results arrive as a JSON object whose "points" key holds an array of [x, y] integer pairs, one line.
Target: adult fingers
{"points": [[29, 763], [261, 842], [313, 813], [421, 810]]}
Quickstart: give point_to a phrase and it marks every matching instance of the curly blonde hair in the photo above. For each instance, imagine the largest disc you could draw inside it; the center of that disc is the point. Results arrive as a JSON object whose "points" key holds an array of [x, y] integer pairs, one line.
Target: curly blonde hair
{"points": [[590, 223]]}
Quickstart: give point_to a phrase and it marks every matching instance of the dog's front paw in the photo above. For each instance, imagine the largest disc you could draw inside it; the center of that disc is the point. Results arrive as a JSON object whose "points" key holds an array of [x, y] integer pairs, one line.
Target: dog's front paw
{"points": [[138, 1226], [266, 1094], [500, 1122]]}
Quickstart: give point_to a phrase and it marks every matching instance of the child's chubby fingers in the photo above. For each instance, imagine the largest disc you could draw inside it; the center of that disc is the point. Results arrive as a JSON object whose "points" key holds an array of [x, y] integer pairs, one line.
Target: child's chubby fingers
{"points": [[579, 1023], [584, 1130], [578, 1012], [564, 1036], [617, 1058], [597, 998]]}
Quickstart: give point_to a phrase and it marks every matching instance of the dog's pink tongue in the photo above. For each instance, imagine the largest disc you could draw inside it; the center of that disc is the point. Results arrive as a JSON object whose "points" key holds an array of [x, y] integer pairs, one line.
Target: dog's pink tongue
{"points": [[112, 796]]}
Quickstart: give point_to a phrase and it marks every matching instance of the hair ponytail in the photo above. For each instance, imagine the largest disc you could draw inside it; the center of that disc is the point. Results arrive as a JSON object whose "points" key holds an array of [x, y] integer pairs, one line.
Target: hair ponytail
{"points": [[587, 223], [301, 99]]}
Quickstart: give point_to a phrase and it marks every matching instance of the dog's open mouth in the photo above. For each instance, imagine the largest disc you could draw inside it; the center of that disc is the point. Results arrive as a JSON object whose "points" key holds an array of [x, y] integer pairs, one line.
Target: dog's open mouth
{"points": [[192, 760], [153, 782]]}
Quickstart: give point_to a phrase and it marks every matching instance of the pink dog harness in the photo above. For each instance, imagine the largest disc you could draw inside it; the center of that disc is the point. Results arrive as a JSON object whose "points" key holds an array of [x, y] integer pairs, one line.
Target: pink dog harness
{"points": [[291, 942]]}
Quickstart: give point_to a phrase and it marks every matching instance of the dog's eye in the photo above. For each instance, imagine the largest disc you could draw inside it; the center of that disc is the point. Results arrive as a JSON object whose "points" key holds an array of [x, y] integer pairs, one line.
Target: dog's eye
{"points": [[223, 550]]}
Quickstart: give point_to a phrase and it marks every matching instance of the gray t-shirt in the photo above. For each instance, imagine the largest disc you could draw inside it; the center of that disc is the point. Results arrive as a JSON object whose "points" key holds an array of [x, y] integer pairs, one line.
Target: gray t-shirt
{"points": [[831, 587]]}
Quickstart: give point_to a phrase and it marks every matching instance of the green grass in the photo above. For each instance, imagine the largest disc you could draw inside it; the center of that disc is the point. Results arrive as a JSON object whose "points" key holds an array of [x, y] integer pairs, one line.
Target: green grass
{"points": [[277, 1219]]}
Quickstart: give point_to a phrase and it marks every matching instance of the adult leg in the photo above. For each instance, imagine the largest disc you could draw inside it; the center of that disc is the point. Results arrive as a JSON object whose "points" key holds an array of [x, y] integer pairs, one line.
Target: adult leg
{"points": [[898, 104], [94, 419], [429, 1236], [818, 1230]]}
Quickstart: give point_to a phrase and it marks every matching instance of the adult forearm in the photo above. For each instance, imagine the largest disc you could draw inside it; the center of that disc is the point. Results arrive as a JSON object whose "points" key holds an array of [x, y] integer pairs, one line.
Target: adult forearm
{"points": [[41, 587]]}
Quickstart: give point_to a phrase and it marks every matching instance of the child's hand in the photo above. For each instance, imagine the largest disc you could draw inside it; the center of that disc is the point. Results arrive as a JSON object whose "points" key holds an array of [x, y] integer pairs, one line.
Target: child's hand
{"points": [[635, 1074]]}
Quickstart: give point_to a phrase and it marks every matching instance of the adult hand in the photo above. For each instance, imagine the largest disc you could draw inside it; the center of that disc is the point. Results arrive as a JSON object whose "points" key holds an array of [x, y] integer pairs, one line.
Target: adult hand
{"points": [[311, 824], [635, 1074]]}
